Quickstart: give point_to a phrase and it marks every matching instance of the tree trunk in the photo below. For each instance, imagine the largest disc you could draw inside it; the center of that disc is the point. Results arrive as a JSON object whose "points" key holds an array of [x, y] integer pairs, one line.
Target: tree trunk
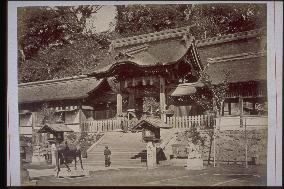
{"points": [[210, 149]]}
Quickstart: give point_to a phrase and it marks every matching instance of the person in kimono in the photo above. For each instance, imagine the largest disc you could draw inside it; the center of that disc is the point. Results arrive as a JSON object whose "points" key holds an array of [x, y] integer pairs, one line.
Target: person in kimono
{"points": [[107, 154]]}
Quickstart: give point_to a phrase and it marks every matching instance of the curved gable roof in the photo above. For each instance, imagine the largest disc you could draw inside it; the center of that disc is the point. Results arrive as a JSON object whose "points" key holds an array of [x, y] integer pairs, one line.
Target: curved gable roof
{"points": [[161, 48]]}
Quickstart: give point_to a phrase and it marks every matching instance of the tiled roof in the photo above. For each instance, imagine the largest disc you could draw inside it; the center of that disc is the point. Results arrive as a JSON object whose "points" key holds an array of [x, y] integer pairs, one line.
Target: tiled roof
{"points": [[66, 88]]}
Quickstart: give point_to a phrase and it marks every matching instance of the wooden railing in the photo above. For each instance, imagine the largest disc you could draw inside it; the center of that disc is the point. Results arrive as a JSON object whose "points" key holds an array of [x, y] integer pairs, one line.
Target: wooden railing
{"points": [[187, 122], [100, 125]]}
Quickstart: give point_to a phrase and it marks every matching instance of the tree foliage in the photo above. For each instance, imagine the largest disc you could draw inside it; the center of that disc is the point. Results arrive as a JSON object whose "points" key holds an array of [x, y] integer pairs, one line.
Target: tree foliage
{"points": [[53, 42], [212, 96], [63, 61], [207, 20], [41, 27], [47, 114]]}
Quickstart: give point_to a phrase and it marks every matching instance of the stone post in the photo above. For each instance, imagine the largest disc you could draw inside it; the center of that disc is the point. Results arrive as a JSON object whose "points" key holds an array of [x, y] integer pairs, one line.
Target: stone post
{"points": [[53, 154], [241, 108], [151, 155], [162, 99], [119, 101]]}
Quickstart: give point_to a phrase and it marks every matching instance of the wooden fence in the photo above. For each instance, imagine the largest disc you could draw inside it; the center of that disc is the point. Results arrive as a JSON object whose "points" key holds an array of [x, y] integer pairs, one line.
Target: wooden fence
{"points": [[185, 122]]}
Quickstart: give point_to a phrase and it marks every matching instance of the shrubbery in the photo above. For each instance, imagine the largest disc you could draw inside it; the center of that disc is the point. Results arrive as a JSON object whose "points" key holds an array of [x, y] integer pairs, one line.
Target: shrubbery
{"points": [[84, 140]]}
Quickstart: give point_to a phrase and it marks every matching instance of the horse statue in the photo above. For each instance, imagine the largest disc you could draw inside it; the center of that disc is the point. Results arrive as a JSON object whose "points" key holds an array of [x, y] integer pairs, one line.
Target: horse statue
{"points": [[66, 153]]}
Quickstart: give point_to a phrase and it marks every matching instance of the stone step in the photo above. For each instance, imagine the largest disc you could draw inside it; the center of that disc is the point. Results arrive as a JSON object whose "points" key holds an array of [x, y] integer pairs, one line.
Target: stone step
{"points": [[121, 163], [115, 157], [118, 157], [117, 152], [122, 145], [116, 160], [121, 148], [112, 159], [128, 148]]}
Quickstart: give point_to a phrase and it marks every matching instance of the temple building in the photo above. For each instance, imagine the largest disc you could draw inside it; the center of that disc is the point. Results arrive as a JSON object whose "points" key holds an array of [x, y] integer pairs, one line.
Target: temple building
{"points": [[154, 65]]}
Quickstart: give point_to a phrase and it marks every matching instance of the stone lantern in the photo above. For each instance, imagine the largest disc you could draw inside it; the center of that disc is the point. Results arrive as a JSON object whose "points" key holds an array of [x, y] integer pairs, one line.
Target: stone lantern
{"points": [[151, 135], [56, 132]]}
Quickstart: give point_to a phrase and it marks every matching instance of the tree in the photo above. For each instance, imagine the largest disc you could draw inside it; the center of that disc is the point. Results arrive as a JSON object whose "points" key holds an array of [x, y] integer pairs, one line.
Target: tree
{"points": [[84, 54], [42, 27], [207, 20], [54, 41], [47, 114], [150, 105], [211, 98]]}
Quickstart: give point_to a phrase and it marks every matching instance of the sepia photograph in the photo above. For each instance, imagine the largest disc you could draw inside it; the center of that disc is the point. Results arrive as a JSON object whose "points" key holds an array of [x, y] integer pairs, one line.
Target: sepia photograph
{"points": [[142, 94]]}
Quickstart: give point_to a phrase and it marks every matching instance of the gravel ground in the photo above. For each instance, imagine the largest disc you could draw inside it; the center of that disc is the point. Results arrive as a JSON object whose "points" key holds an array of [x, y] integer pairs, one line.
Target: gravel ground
{"points": [[233, 175]]}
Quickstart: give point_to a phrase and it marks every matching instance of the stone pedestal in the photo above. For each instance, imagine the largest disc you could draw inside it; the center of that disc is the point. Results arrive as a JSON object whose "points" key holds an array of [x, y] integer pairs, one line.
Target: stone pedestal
{"points": [[195, 164], [37, 155], [73, 173], [53, 154], [151, 155], [38, 159], [194, 160]]}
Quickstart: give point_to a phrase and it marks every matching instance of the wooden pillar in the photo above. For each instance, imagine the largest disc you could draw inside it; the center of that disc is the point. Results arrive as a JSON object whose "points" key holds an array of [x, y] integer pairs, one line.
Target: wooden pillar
{"points": [[241, 107], [80, 118], [162, 98], [230, 108], [223, 107], [131, 99], [253, 106], [119, 101]]}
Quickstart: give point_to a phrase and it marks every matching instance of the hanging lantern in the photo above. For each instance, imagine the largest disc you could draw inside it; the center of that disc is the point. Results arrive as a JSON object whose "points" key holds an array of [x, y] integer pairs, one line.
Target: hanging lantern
{"points": [[125, 84], [151, 81], [144, 81], [134, 82]]}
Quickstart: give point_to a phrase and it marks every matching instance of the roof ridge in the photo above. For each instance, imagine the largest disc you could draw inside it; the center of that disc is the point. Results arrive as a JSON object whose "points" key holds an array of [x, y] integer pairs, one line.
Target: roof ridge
{"points": [[229, 37], [237, 56], [153, 36], [55, 80], [181, 31]]}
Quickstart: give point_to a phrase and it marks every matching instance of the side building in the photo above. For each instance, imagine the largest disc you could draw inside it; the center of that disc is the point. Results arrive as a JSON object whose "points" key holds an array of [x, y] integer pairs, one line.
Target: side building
{"points": [[64, 98]]}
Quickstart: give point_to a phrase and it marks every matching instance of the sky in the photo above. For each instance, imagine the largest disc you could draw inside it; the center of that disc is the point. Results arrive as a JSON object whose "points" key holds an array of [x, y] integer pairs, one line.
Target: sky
{"points": [[101, 20]]}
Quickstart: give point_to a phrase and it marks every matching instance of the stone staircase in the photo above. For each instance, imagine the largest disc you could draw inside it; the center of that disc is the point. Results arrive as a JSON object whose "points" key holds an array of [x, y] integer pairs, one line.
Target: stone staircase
{"points": [[125, 148]]}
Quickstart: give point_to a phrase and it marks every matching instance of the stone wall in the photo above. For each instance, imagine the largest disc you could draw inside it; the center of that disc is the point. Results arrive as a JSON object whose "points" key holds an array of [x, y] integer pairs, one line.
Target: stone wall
{"points": [[230, 146]]}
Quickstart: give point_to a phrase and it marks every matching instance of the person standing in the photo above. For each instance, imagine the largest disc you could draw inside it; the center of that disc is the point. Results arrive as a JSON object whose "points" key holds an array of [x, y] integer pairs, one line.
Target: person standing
{"points": [[107, 154]]}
